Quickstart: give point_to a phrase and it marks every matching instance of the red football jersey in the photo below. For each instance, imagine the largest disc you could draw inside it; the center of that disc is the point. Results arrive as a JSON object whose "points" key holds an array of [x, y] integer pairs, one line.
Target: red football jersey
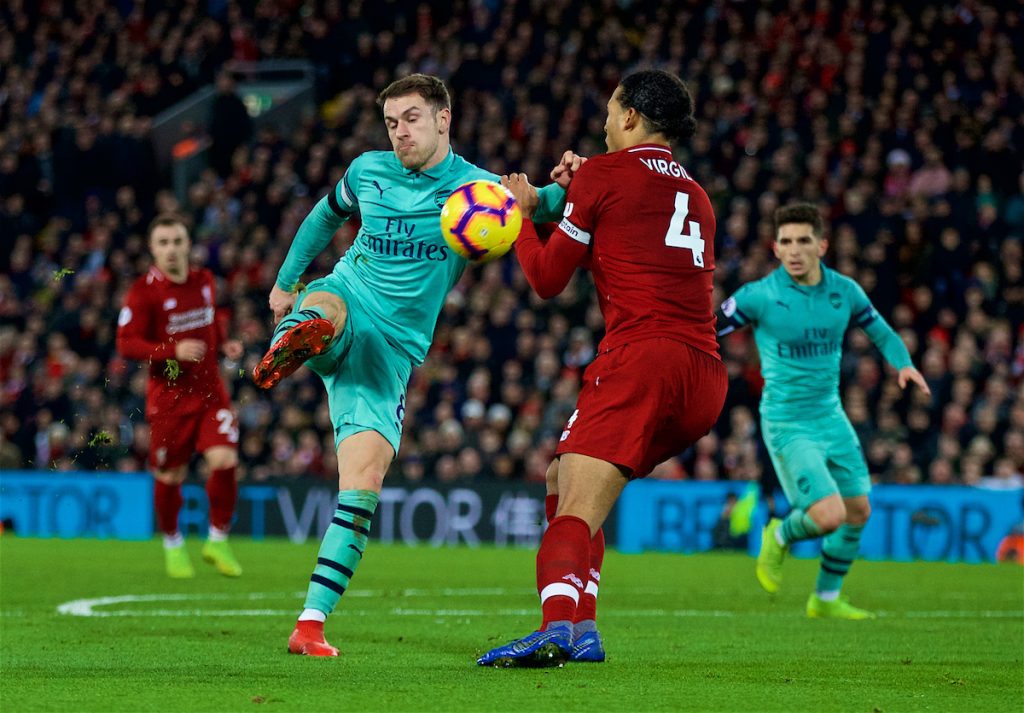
{"points": [[158, 313], [651, 232]]}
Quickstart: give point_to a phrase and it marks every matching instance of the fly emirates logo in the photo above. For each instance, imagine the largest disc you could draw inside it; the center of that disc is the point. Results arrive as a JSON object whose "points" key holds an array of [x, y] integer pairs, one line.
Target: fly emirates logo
{"points": [[178, 322]]}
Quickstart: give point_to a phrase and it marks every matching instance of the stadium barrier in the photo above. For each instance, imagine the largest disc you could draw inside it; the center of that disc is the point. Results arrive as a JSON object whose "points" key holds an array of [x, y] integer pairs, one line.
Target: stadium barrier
{"points": [[77, 504], [907, 522], [85, 504], [952, 523]]}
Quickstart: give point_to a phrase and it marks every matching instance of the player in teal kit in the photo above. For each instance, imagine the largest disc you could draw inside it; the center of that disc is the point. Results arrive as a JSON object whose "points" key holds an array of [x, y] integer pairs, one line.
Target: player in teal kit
{"points": [[363, 327], [799, 314]]}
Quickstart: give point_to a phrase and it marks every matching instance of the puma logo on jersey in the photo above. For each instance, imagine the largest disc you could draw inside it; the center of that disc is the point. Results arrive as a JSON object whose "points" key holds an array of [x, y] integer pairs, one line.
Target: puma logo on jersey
{"points": [[782, 304], [381, 189]]}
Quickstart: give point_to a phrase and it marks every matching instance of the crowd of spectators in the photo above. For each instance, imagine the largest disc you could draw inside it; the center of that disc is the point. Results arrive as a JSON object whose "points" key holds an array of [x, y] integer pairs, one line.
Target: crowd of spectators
{"points": [[908, 128]]}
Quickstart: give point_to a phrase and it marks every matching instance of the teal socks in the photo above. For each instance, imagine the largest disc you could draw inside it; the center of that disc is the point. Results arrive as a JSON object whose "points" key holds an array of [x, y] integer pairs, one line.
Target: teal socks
{"points": [[341, 549], [798, 525], [838, 551], [294, 318]]}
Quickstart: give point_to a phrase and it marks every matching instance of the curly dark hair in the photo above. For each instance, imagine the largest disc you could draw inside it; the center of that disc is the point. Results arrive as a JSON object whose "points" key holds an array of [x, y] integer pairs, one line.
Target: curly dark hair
{"points": [[663, 101]]}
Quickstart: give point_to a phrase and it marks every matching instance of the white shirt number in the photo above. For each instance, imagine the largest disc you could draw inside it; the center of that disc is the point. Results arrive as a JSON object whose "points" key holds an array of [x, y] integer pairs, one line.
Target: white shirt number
{"points": [[683, 233]]}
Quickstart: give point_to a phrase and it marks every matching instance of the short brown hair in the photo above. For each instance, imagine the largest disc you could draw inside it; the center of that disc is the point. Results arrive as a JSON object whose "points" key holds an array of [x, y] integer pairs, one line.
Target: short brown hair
{"points": [[166, 220], [427, 86], [800, 213]]}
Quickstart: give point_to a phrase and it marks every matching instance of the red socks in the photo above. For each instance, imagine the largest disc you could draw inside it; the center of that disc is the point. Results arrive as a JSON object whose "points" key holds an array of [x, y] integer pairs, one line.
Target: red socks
{"points": [[587, 607], [562, 568], [222, 490], [167, 499], [550, 506]]}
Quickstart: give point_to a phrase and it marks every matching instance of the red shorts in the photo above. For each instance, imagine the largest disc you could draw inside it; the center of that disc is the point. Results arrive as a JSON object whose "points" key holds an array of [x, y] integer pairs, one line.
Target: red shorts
{"points": [[645, 402], [173, 439]]}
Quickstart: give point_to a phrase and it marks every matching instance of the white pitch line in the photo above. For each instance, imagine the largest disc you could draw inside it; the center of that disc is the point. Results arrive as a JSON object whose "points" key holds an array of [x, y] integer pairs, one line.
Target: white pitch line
{"points": [[91, 607]]}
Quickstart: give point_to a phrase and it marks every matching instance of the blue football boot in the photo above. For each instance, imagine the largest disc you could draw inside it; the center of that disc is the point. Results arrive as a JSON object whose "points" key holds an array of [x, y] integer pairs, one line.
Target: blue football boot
{"points": [[541, 649], [588, 647]]}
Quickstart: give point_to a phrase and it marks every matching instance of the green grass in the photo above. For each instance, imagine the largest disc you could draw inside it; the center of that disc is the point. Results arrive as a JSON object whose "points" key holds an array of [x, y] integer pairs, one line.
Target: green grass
{"points": [[682, 632]]}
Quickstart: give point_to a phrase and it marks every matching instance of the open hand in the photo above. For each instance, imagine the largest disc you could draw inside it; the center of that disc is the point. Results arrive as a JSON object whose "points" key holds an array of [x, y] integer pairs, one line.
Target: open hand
{"points": [[908, 374], [523, 192]]}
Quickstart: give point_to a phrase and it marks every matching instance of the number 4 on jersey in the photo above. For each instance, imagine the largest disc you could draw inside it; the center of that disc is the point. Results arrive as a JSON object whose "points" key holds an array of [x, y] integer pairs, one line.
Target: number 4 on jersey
{"points": [[677, 237]]}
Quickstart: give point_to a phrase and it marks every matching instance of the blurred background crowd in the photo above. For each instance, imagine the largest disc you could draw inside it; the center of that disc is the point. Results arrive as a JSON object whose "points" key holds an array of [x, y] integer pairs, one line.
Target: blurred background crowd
{"points": [[906, 127]]}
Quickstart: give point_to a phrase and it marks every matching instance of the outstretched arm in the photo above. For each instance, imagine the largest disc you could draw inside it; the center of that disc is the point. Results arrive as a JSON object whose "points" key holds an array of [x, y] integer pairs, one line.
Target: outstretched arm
{"points": [[892, 348], [315, 233]]}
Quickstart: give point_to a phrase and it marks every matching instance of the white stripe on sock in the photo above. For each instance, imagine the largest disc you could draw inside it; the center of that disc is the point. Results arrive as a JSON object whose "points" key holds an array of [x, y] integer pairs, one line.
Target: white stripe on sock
{"points": [[312, 615], [172, 541], [828, 596], [559, 589], [591, 588], [217, 535]]}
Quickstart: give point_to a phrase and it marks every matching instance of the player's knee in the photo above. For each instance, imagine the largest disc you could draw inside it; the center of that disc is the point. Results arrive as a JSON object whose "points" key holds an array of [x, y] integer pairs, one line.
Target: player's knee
{"points": [[218, 458], [828, 519], [368, 477], [174, 476], [858, 514]]}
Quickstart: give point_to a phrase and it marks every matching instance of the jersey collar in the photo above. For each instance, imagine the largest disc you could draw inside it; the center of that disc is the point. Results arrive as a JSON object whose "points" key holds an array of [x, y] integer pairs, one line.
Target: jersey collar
{"points": [[436, 172], [649, 147]]}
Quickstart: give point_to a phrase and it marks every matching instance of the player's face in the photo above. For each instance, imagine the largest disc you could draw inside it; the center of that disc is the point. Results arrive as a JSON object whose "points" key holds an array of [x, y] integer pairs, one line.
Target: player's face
{"points": [[169, 245], [418, 133], [800, 251], [613, 123]]}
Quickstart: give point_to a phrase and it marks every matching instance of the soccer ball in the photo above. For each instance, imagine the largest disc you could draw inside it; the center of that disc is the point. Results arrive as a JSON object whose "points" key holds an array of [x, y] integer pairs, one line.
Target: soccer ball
{"points": [[480, 220]]}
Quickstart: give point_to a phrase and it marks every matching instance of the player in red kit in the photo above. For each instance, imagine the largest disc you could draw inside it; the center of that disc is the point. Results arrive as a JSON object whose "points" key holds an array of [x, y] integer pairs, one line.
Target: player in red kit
{"points": [[646, 230], [169, 322]]}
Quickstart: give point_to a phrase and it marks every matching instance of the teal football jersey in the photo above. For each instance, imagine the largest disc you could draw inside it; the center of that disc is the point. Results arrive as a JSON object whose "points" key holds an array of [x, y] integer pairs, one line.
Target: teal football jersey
{"points": [[799, 332], [399, 268]]}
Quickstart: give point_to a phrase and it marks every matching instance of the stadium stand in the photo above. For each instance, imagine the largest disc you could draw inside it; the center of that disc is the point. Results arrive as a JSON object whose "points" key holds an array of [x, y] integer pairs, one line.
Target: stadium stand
{"points": [[908, 126]]}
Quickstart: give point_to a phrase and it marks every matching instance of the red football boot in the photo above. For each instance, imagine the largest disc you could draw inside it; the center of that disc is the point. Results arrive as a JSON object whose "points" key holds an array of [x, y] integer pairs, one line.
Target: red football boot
{"points": [[308, 640], [300, 343]]}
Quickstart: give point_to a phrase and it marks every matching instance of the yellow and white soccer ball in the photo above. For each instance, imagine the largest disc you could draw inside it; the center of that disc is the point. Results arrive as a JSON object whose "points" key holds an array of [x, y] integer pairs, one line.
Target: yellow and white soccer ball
{"points": [[480, 220]]}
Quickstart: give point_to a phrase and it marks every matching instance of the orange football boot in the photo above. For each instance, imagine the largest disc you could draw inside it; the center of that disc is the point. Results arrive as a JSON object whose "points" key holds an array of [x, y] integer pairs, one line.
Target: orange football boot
{"points": [[308, 640], [300, 343]]}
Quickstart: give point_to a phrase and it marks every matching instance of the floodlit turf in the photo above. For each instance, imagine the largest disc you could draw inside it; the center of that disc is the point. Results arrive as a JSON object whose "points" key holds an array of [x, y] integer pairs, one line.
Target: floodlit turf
{"points": [[682, 633]]}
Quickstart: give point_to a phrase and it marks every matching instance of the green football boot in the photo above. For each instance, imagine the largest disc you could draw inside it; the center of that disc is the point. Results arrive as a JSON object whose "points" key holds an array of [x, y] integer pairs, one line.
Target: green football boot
{"points": [[769, 561], [179, 566], [219, 554], [836, 609]]}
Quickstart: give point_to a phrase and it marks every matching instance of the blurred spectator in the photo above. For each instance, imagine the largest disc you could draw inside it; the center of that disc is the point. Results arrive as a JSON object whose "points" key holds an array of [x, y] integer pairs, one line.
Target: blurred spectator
{"points": [[903, 125]]}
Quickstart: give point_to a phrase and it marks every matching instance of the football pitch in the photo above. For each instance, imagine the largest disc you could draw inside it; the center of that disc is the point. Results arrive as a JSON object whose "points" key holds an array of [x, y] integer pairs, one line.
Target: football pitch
{"points": [[89, 625]]}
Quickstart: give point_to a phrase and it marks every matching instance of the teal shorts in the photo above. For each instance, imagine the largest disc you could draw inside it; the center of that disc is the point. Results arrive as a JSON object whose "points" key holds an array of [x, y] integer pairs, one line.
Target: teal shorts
{"points": [[366, 376], [815, 459]]}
